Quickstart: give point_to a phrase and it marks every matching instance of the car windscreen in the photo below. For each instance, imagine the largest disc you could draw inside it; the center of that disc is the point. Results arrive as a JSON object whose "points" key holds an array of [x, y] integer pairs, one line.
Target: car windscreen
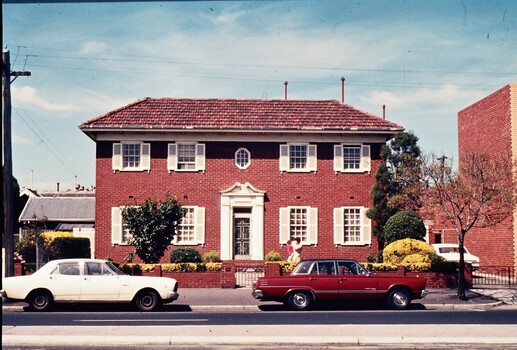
{"points": [[302, 268], [113, 268]]}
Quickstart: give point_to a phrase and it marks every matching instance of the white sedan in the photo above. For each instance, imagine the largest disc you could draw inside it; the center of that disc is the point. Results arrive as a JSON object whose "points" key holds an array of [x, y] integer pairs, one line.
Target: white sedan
{"points": [[88, 281]]}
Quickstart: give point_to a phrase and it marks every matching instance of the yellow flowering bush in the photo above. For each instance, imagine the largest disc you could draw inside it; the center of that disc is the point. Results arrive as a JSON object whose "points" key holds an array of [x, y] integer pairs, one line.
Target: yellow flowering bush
{"points": [[382, 267], [395, 252], [49, 236], [212, 267]]}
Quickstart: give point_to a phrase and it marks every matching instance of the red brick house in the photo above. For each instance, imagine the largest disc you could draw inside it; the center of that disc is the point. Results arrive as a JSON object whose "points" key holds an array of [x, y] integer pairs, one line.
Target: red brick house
{"points": [[250, 173], [490, 125]]}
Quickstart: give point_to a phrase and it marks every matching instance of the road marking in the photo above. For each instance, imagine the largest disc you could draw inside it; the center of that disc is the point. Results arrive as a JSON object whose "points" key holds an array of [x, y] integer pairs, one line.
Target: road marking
{"points": [[148, 320]]}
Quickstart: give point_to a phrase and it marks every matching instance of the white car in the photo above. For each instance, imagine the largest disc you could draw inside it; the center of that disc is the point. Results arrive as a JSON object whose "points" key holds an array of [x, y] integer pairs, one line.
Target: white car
{"points": [[88, 281], [451, 252]]}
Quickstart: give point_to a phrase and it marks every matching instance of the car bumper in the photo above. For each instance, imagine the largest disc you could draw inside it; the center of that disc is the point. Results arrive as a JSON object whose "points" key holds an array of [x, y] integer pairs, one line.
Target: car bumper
{"points": [[4, 296], [171, 297], [424, 293], [257, 294]]}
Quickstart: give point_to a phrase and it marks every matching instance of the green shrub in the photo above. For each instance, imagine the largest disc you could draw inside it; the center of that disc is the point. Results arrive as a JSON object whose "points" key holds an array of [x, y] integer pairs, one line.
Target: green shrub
{"points": [[404, 224], [185, 255], [273, 256], [70, 247], [211, 257]]}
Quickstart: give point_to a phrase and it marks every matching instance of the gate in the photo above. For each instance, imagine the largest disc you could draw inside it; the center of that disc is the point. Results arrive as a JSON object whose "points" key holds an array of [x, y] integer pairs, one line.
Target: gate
{"points": [[246, 272], [495, 276]]}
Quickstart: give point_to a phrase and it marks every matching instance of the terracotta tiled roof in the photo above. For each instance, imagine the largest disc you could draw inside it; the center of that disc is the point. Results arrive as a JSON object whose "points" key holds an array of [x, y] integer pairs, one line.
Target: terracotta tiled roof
{"points": [[210, 114]]}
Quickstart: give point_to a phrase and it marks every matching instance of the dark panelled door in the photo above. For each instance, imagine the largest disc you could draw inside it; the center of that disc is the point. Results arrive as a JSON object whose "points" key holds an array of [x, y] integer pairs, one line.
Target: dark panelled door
{"points": [[241, 234]]}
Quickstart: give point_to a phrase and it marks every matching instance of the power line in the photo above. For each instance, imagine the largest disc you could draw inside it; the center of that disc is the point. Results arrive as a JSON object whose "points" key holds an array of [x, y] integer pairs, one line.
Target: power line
{"points": [[46, 141]]}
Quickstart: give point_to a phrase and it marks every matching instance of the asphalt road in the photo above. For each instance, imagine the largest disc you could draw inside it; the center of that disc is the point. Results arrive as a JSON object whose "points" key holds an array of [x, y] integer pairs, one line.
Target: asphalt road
{"points": [[318, 317]]}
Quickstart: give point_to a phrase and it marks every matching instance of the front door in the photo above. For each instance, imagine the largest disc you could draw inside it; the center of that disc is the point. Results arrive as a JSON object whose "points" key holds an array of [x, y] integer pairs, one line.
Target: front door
{"points": [[242, 233]]}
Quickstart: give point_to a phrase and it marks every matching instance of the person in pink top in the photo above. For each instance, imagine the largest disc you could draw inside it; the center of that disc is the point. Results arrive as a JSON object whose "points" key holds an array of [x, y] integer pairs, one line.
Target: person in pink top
{"points": [[290, 251]]}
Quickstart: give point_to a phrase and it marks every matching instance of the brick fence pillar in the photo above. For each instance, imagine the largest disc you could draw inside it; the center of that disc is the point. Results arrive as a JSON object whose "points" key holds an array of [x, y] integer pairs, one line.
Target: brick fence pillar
{"points": [[401, 270], [273, 269], [228, 274]]}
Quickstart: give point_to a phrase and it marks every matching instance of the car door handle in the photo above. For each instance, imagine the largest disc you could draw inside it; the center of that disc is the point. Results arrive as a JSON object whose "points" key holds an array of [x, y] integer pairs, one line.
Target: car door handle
{"points": [[312, 279], [342, 279]]}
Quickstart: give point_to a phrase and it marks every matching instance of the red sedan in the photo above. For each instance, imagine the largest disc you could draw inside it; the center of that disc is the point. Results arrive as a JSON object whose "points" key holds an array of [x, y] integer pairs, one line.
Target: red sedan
{"points": [[327, 279]]}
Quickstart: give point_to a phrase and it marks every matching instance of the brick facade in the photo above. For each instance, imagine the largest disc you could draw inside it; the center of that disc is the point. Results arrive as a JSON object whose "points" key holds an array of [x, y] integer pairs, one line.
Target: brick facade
{"points": [[324, 190], [490, 125]]}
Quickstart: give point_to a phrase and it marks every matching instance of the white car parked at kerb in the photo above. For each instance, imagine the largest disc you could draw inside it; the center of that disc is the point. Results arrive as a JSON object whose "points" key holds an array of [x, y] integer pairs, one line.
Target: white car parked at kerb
{"points": [[88, 281], [451, 252]]}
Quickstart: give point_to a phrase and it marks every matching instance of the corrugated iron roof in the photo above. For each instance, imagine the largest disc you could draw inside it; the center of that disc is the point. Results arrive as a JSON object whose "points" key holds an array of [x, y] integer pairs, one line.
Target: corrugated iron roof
{"points": [[240, 114], [66, 209]]}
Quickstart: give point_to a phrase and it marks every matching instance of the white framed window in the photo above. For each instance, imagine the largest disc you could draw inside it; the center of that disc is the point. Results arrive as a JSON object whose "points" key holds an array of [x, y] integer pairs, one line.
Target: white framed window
{"points": [[352, 226], [352, 158], [298, 157], [191, 230], [119, 232], [131, 156], [299, 222], [242, 158], [186, 156]]}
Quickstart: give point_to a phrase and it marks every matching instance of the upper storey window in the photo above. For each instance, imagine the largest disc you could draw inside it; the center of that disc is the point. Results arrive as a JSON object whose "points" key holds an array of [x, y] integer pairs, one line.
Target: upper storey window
{"points": [[298, 158], [352, 158], [135, 156], [186, 156]]}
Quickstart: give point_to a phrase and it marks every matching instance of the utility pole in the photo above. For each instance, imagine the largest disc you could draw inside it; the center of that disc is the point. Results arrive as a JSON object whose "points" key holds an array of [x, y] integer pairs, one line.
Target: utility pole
{"points": [[8, 239]]}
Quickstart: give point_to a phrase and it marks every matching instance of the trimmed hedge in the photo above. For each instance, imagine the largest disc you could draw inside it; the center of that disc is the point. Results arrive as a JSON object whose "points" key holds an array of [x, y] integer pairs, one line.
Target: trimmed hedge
{"points": [[70, 247]]}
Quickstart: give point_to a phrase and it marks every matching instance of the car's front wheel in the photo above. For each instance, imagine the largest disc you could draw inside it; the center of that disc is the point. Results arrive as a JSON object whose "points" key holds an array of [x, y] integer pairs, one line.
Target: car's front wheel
{"points": [[148, 301], [299, 300], [40, 300], [399, 299]]}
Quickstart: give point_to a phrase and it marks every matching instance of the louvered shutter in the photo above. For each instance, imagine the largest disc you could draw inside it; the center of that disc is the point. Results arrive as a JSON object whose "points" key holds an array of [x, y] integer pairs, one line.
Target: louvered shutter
{"points": [[365, 158], [116, 225], [145, 156], [312, 158], [199, 229], [338, 158], [172, 157], [338, 226], [117, 156], [284, 225], [284, 157], [366, 235], [200, 157], [312, 225]]}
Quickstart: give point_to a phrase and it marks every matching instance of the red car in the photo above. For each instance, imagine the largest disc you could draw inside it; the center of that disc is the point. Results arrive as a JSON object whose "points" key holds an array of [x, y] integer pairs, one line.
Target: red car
{"points": [[327, 279]]}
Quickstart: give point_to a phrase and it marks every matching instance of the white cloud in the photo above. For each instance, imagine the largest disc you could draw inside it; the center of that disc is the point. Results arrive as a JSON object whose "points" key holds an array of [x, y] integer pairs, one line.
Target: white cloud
{"points": [[28, 96], [93, 47]]}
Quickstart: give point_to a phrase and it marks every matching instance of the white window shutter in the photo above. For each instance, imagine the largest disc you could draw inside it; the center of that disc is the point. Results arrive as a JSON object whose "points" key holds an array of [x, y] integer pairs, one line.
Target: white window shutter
{"points": [[199, 229], [338, 226], [145, 156], [200, 157], [117, 156], [367, 228], [116, 225], [284, 157], [312, 225], [365, 158], [172, 157], [284, 225], [338, 158], [312, 158]]}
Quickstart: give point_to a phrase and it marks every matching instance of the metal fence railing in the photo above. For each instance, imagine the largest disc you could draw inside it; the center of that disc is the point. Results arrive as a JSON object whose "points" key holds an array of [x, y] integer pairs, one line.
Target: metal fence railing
{"points": [[247, 272], [495, 276]]}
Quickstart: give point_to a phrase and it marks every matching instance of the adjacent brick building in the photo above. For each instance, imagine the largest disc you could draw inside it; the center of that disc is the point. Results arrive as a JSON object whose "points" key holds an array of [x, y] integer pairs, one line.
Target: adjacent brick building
{"points": [[490, 125], [250, 173]]}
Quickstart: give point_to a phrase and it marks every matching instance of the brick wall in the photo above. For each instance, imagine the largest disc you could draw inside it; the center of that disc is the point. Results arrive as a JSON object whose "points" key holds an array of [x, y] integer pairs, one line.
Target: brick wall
{"points": [[324, 190], [486, 126]]}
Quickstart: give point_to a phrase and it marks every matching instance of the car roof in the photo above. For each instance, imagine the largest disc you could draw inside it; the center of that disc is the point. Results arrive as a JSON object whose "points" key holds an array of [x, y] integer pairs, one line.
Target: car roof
{"points": [[445, 245]]}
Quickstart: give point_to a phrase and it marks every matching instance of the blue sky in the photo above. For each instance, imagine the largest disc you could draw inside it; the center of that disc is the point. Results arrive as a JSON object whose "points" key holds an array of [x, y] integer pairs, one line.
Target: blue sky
{"points": [[425, 60]]}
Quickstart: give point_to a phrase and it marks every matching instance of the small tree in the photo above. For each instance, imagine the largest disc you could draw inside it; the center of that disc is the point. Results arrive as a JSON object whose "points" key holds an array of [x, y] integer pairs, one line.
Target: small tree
{"points": [[152, 226], [404, 224], [397, 182], [480, 194]]}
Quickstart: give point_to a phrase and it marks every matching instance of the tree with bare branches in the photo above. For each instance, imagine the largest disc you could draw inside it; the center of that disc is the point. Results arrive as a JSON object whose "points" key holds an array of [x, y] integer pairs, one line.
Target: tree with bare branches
{"points": [[481, 193]]}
